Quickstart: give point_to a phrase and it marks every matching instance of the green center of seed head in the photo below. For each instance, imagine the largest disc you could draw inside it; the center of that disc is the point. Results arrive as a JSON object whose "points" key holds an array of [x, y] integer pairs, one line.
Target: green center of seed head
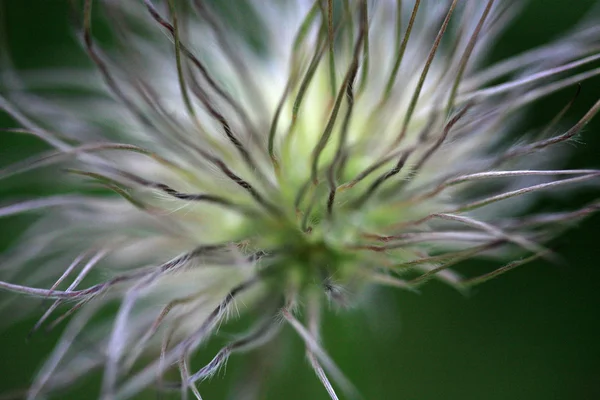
{"points": [[308, 263], [303, 259]]}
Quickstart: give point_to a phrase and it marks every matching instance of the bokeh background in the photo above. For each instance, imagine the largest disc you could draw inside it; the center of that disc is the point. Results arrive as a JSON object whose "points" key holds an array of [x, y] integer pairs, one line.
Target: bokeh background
{"points": [[531, 334]]}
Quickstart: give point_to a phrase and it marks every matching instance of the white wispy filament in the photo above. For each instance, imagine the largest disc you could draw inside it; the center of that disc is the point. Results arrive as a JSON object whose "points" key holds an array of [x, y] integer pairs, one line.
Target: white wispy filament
{"points": [[197, 172]]}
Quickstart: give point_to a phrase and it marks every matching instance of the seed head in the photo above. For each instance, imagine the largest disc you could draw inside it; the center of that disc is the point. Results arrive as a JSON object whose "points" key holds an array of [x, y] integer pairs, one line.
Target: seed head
{"points": [[204, 170]]}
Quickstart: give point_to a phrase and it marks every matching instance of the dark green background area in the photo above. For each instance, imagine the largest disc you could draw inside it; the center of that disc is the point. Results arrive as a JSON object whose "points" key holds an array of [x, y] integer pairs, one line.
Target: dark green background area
{"points": [[531, 334]]}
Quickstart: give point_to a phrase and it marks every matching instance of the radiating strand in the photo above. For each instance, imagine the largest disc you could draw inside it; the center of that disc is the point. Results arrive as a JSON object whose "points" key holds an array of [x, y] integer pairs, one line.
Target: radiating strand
{"points": [[398, 27], [466, 55], [544, 90], [220, 118], [139, 204], [314, 322], [337, 160], [200, 196], [348, 82], [292, 78], [314, 194], [67, 272], [184, 371], [162, 187], [32, 128], [196, 62], [57, 321], [531, 78], [171, 265], [330, 40], [304, 85], [437, 144], [519, 240], [185, 94], [584, 175], [103, 67], [180, 77], [493, 175], [445, 257], [145, 377], [551, 126], [316, 349], [530, 148], [371, 190], [577, 45], [76, 325], [84, 271], [423, 76], [400, 52], [510, 266], [57, 156], [119, 335], [550, 218], [273, 127], [387, 280], [39, 204], [140, 344], [46, 293], [364, 74], [257, 337], [237, 62], [405, 239], [175, 133], [403, 152], [543, 186], [453, 261], [320, 146]]}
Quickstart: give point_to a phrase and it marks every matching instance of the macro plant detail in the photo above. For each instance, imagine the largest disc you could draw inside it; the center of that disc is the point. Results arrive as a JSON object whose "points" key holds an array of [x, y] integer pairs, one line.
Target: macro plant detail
{"points": [[203, 176]]}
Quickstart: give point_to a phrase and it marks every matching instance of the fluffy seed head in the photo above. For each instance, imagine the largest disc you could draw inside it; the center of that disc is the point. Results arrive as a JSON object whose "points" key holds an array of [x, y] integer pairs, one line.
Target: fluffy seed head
{"points": [[333, 146]]}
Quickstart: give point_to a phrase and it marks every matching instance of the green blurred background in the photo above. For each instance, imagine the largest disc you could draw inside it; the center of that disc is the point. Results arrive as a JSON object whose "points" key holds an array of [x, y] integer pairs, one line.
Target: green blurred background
{"points": [[531, 334]]}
